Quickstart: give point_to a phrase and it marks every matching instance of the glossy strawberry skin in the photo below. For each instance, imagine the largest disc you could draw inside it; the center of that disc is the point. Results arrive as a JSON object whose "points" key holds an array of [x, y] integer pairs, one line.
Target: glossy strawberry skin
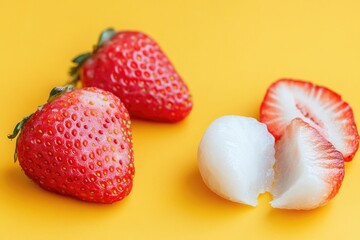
{"points": [[80, 145], [133, 67]]}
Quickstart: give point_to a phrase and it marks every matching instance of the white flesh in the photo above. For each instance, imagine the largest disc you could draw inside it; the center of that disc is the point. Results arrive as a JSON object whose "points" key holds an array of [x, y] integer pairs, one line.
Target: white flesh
{"points": [[302, 168], [236, 158]]}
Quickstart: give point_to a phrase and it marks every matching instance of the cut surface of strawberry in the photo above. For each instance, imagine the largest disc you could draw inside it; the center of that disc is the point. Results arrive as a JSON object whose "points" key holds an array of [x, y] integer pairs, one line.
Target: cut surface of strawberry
{"points": [[308, 169], [236, 157], [320, 107]]}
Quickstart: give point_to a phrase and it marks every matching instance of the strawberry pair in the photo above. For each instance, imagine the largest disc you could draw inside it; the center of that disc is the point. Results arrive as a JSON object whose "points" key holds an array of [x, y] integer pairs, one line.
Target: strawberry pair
{"points": [[80, 142]]}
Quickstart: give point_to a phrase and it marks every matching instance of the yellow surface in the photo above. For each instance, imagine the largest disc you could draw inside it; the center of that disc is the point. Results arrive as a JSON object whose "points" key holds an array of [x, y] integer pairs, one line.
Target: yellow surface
{"points": [[228, 52]]}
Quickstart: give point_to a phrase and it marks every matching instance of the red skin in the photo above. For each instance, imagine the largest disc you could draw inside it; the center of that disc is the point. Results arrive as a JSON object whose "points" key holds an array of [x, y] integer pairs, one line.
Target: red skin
{"points": [[133, 67], [76, 148]]}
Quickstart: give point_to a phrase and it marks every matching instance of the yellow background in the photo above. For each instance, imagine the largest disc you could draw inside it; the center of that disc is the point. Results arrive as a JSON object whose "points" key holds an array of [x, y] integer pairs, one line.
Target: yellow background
{"points": [[228, 52]]}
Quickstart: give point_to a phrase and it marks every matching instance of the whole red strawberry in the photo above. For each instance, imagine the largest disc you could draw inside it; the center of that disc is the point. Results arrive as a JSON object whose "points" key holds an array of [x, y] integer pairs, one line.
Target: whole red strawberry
{"points": [[78, 144], [133, 67]]}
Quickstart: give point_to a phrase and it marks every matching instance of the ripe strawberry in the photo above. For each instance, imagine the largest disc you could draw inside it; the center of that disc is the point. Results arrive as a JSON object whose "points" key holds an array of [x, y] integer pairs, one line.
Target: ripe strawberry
{"points": [[133, 67], [322, 108], [78, 144], [308, 169]]}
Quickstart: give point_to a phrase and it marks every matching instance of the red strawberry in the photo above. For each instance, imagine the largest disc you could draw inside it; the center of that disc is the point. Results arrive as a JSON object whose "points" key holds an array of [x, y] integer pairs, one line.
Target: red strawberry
{"points": [[133, 67], [322, 108], [79, 144], [308, 169]]}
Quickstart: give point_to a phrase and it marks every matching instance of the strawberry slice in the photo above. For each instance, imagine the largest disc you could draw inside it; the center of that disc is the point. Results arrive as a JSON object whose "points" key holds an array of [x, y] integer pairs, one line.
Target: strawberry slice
{"points": [[320, 107], [308, 169]]}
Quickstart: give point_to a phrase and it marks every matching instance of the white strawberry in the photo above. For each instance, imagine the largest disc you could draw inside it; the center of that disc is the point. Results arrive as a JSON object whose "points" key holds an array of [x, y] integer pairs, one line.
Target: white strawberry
{"points": [[236, 157], [308, 169]]}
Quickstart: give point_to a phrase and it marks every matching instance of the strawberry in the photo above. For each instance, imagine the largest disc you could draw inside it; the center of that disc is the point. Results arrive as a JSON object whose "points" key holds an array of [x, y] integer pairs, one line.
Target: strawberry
{"points": [[320, 107], [236, 158], [308, 169], [78, 144], [133, 67]]}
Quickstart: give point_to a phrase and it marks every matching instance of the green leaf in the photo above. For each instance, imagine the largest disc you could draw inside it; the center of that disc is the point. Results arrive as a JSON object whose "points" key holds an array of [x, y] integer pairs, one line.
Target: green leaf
{"points": [[18, 127], [105, 36], [73, 70], [16, 131], [79, 61], [15, 153], [81, 58], [58, 91], [74, 74]]}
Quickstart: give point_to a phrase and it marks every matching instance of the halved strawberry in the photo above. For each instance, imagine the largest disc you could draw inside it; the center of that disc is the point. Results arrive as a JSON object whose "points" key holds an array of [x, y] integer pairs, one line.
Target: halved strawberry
{"points": [[322, 108], [308, 169]]}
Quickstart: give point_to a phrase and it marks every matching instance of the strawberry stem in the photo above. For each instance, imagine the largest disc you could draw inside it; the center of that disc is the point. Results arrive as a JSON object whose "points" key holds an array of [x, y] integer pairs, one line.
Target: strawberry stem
{"points": [[79, 61]]}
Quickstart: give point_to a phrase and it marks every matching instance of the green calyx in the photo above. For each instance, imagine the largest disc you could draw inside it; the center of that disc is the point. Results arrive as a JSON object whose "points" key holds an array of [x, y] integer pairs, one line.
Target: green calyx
{"points": [[104, 37], [18, 127], [16, 131], [55, 93], [58, 91], [79, 61]]}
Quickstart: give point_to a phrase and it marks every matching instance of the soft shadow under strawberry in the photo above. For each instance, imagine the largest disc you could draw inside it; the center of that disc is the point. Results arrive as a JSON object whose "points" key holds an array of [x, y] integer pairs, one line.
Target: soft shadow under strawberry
{"points": [[202, 199], [27, 198]]}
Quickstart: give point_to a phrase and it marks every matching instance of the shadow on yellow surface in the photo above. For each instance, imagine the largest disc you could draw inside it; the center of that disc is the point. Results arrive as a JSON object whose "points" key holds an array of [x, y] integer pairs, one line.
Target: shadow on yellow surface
{"points": [[204, 199], [27, 194]]}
